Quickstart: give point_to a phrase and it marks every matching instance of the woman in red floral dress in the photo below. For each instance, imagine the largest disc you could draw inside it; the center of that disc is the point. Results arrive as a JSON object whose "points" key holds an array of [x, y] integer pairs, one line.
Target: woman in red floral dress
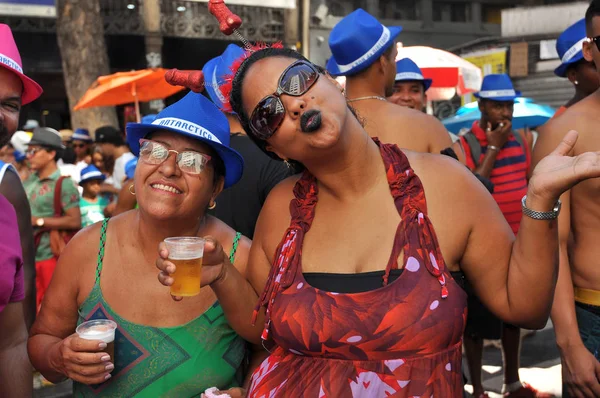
{"points": [[352, 290]]}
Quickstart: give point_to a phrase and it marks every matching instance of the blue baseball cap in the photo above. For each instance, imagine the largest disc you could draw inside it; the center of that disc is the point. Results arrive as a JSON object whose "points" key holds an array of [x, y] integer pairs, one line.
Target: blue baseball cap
{"points": [[569, 46], [357, 41], [215, 71], [81, 135], [497, 87], [130, 168], [193, 116], [407, 70], [91, 173]]}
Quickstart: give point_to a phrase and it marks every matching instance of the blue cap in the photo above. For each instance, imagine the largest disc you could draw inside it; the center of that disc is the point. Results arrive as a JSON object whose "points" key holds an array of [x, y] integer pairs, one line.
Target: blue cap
{"points": [[193, 116], [357, 41], [569, 46], [19, 156], [407, 70], [130, 168], [81, 135], [497, 87], [148, 118], [215, 71], [90, 173]]}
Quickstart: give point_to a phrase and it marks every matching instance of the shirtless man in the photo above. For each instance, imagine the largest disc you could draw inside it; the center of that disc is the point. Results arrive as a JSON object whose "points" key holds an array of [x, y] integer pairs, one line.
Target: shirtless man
{"points": [[365, 51], [576, 308]]}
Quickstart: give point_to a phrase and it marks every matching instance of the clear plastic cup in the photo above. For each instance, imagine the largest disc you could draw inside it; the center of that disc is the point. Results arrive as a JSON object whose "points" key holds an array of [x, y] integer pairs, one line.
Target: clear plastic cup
{"points": [[186, 253], [102, 330]]}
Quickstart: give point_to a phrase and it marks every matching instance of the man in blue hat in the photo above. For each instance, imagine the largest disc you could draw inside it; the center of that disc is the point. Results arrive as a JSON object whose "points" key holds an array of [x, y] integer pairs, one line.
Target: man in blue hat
{"points": [[81, 142], [364, 51], [410, 87], [576, 309], [240, 205], [496, 152], [573, 66]]}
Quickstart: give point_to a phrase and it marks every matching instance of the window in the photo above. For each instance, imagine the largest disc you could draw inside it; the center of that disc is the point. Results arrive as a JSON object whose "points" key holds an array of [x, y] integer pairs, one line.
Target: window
{"points": [[446, 11], [408, 10], [492, 13]]}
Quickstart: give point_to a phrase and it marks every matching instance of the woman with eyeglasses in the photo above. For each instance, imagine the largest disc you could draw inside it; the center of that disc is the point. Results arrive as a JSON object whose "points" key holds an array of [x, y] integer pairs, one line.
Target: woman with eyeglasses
{"points": [[354, 277], [162, 347]]}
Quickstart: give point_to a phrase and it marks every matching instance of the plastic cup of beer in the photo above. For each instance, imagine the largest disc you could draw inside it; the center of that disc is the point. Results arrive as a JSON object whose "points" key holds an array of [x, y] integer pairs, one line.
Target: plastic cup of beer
{"points": [[186, 253], [102, 330]]}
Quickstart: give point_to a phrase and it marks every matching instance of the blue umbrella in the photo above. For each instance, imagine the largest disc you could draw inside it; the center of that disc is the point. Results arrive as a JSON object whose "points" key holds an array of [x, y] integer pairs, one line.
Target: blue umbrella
{"points": [[526, 114]]}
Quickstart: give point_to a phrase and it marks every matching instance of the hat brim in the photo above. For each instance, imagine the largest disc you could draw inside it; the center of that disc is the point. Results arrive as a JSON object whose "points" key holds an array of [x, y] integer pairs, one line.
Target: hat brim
{"points": [[507, 98], [79, 138], [31, 90], [334, 69], [101, 178], [44, 144], [233, 161], [561, 71]]}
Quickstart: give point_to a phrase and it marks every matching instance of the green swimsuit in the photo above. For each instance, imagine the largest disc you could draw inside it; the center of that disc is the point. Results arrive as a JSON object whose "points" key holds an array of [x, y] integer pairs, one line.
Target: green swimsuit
{"points": [[180, 361]]}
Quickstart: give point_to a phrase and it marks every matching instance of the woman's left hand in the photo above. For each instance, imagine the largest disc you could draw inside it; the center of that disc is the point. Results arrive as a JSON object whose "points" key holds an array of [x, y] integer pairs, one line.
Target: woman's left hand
{"points": [[235, 392], [558, 172]]}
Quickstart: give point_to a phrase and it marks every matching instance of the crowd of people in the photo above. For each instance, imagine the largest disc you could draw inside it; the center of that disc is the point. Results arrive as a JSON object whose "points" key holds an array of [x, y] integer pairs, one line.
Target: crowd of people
{"points": [[353, 247]]}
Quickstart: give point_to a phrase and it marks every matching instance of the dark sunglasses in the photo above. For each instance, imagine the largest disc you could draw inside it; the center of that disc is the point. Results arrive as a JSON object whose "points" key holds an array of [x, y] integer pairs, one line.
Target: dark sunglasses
{"points": [[268, 115], [596, 41], [79, 145]]}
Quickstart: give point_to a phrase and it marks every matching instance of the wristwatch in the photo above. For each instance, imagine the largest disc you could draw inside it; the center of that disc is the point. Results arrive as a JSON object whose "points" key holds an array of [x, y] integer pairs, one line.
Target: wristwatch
{"points": [[541, 215], [39, 222]]}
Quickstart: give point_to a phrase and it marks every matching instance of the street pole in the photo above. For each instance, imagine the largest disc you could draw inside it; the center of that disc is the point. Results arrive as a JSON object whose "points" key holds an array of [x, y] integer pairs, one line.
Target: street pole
{"points": [[305, 28]]}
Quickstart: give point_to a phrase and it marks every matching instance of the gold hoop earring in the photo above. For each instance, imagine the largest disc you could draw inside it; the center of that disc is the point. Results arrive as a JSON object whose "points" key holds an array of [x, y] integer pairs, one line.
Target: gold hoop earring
{"points": [[212, 206], [132, 189]]}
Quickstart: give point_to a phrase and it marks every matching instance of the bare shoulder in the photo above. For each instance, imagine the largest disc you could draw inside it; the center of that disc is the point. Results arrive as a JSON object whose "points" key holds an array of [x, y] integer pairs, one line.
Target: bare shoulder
{"points": [[422, 125], [227, 236]]}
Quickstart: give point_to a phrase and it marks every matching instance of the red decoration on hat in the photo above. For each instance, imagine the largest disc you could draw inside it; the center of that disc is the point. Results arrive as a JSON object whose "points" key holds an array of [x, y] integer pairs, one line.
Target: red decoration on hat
{"points": [[228, 21], [192, 79]]}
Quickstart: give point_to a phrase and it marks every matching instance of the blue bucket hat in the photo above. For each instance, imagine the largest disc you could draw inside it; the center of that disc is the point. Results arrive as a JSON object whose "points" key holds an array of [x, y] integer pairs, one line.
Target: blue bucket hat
{"points": [[497, 87], [357, 41], [215, 71], [91, 173], [81, 135], [569, 46], [193, 116], [148, 118], [407, 70]]}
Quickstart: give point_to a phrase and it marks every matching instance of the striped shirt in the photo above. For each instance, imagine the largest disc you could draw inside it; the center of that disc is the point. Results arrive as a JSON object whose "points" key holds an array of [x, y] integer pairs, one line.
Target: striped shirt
{"points": [[509, 174]]}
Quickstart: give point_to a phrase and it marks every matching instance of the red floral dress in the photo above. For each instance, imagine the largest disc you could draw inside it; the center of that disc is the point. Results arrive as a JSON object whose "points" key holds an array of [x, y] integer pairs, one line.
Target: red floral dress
{"points": [[402, 340]]}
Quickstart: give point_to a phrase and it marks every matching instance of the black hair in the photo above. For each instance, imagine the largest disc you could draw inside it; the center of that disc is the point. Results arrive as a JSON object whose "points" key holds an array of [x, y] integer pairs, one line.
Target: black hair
{"points": [[592, 11], [236, 95]]}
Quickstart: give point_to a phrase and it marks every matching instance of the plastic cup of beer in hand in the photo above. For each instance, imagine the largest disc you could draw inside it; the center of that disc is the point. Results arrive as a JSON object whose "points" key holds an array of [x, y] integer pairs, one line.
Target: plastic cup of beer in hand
{"points": [[102, 330], [186, 253]]}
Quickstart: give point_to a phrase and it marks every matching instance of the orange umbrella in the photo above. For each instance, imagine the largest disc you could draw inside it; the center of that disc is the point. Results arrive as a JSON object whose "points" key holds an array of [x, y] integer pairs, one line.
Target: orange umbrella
{"points": [[127, 87]]}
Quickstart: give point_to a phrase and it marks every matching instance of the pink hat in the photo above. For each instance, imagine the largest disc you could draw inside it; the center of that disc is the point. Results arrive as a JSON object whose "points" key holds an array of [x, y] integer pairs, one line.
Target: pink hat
{"points": [[11, 60]]}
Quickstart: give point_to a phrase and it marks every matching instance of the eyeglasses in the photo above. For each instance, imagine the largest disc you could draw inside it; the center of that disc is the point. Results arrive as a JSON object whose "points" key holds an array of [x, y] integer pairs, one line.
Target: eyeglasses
{"points": [[155, 153], [268, 115], [33, 151], [78, 145], [596, 41]]}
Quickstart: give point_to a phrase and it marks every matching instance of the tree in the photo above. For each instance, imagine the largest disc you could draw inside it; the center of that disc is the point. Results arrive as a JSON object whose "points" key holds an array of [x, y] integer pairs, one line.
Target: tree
{"points": [[80, 33]]}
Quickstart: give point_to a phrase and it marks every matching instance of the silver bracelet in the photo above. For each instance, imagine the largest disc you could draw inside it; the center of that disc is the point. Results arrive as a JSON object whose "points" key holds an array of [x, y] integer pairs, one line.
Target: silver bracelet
{"points": [[541, 215]]}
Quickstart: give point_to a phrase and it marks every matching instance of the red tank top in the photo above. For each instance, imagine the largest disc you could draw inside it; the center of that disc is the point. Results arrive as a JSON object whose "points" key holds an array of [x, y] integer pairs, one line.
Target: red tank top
{"points": [[402, 340]]}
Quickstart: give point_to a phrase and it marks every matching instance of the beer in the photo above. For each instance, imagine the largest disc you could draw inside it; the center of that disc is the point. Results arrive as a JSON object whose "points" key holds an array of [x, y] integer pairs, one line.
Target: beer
{"points": [[187, 276], [186, 253], [101, 330]]}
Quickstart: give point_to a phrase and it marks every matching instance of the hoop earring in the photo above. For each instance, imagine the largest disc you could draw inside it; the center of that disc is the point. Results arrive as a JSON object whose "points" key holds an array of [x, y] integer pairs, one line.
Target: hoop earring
{"points": [[132, 191], [212, 206]]}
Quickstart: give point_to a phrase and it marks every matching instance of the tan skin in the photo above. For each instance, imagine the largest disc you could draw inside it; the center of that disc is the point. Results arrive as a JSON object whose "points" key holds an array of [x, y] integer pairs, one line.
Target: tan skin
{"points": [[391, 123], [517, 280], [579, 234], [585, 79], [410, 94], [15, 369], [132, 239], [82, 150]]}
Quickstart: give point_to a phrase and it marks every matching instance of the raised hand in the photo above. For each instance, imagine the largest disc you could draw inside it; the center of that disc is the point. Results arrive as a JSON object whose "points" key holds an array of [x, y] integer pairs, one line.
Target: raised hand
{"points": [[498, 136], [213, 264], [558, 172]]}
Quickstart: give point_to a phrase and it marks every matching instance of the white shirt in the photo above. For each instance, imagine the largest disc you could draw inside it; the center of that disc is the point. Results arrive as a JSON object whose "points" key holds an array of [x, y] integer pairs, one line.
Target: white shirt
{"points": [[119, 170]]}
